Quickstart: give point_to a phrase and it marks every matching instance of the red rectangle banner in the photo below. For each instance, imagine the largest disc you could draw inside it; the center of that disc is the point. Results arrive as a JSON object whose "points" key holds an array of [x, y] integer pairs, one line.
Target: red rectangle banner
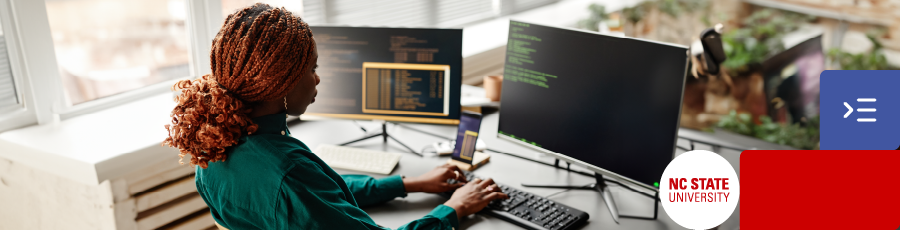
{"points": [[820, 189]]}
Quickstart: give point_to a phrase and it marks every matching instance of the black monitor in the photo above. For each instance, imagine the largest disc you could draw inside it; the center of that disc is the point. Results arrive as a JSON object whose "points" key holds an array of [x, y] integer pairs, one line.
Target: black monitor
{"points": [[610, 104], [391, 74]]}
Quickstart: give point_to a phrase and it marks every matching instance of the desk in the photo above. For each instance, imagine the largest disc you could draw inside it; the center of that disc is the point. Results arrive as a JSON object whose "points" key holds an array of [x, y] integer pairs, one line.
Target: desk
{"points": [[504, 169]]}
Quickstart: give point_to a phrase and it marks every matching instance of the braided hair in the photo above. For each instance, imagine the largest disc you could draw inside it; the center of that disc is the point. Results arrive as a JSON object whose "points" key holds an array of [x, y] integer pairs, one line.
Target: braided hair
{"points": [[259, 55]]}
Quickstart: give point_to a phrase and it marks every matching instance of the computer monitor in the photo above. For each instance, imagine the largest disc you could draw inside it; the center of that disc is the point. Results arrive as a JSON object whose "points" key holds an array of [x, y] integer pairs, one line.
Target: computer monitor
{"points": [[391, 74], [610, 104]]}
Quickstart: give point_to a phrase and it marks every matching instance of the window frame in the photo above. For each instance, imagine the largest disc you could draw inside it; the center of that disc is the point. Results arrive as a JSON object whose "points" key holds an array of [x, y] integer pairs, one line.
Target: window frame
{"points": [[197, 11], [36, 72], [35, 69], [203, 22], [11, 25]]}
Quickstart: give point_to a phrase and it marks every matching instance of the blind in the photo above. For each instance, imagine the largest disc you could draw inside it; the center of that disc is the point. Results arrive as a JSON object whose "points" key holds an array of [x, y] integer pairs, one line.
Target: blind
{"points": [[452, 13], [523, 5], [9, 100], [314, 12], [399, 13], [409, 13]]}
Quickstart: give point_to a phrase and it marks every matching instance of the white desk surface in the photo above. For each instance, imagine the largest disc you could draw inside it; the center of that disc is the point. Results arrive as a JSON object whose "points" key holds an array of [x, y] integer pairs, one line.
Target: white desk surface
{"points": [[502, 168]]}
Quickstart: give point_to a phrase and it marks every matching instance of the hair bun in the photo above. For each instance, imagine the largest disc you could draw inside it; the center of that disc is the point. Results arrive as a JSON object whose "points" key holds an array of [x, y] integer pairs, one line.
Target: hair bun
{"points": [[206, 121], [259, 55]]}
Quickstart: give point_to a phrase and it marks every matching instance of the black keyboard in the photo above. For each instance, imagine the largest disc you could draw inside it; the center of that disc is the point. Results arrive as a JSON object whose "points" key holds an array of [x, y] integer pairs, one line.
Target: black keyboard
{"points": [[530, 211]]}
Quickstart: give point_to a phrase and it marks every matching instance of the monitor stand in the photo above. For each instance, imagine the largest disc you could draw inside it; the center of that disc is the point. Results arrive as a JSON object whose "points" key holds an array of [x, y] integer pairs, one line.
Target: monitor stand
{"points": [[384, 134], [601, 187]]}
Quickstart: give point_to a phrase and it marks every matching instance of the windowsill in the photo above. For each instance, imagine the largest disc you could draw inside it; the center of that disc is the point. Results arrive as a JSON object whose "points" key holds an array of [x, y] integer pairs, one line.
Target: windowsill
{"points": [[98, 146]]}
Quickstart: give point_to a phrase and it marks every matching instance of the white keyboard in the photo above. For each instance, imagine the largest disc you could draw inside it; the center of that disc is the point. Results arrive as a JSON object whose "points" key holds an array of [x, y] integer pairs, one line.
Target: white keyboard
{"points": [[362, 160]]}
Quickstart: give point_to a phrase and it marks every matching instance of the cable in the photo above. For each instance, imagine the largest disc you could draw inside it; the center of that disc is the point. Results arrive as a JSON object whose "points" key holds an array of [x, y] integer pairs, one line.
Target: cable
{"points": [[426, 148], [520, 157], [569, 189], [424, 132], [710, 144], [630, 188], [360, 126], [575, 171]]}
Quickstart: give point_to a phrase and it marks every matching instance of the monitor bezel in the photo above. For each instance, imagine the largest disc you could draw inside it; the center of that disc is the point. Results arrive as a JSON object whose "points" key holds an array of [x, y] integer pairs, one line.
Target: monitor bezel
{"points": [[409, 66], [591, 167], [391, 118], [394, 117]]}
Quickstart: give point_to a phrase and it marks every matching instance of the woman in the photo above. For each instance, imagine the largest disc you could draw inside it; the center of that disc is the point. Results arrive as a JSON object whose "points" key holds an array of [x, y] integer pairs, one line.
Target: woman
{"points": [[251, 173]]}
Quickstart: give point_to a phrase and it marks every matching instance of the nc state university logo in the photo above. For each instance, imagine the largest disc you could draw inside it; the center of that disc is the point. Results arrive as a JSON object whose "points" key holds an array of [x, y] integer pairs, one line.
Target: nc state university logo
{"points": [[699, 189]]}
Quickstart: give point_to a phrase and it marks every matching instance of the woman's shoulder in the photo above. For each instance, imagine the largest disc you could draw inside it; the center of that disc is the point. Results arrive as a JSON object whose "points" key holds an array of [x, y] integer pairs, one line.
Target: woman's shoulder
{"points": [[261, 160], [280, 142], [286, 148]]}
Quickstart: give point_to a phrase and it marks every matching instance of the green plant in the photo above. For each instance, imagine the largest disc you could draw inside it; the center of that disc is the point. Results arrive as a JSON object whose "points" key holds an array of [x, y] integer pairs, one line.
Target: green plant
{"points": [[598, 14], [801, 135], [759, 38], [635, 13], [670, 7], [673, 8], [874, 60]]}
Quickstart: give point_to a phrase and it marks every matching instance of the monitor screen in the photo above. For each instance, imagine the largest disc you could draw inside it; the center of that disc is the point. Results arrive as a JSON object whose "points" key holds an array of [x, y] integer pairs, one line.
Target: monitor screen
{"points": [[394, 74], [610, 103], [466, 137]]}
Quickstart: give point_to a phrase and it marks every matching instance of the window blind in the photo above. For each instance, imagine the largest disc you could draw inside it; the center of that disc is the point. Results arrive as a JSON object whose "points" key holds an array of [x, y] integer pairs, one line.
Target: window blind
{"points": [[451, 13], [411, 13], [9, 100], [523, 5]]}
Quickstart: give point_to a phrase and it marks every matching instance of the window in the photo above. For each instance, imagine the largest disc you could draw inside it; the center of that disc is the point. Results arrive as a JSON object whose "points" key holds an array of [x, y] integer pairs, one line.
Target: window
{"points": [[395, 13], [107, 47], [9, 98], [82, 56], [410, 13], [459, 12], [230, 6]]}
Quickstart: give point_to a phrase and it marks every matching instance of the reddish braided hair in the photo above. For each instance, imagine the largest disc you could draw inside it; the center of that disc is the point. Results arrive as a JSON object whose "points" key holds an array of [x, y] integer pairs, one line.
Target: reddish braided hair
{"points": [[260, 54]]}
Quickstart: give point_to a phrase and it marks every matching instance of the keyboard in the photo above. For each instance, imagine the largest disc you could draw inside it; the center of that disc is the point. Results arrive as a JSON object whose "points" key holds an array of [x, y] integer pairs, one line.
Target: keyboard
{"points": [[355, 159], [530, 211]]}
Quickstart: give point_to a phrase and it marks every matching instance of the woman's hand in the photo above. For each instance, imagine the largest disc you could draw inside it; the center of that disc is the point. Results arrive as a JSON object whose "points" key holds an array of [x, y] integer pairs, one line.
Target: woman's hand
{"points": [[474, 196], [435, 181]]}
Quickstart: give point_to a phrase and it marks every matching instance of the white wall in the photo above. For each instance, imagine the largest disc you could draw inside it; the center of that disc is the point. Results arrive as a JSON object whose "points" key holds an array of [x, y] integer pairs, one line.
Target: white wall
{"points": [[34, 199]]}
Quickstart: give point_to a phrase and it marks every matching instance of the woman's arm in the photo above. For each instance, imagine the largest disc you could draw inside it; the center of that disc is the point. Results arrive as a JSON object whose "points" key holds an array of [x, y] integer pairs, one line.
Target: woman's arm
{"points": [[369, 191], [310, 199], [441, 217]]}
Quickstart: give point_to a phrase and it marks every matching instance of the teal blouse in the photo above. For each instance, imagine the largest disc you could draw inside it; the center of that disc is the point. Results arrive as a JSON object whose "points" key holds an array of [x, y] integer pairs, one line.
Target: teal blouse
{"points": [[271, 180]]}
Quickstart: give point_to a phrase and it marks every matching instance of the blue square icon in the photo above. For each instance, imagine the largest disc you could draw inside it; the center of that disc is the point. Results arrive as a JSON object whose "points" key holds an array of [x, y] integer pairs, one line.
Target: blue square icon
{"points": [[860, 109]]}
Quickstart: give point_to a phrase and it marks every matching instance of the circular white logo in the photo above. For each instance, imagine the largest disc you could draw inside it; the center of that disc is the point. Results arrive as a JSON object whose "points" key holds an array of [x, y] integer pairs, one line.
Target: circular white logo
{"points": [[699, 190]]}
